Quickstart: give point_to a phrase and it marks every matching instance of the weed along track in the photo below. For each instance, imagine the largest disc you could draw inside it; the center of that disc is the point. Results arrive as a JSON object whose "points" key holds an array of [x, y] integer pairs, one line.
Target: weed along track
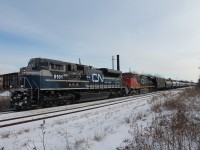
{"points": [[41, 114]]}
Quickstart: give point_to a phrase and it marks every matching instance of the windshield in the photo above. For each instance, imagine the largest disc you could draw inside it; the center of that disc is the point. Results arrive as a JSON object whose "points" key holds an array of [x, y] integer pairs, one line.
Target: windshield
{"points": [[31, 63], [38, 64]]}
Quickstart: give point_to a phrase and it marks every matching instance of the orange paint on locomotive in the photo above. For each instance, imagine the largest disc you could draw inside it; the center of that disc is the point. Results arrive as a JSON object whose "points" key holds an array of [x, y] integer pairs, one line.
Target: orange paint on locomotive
{"points": [[130, 81]]}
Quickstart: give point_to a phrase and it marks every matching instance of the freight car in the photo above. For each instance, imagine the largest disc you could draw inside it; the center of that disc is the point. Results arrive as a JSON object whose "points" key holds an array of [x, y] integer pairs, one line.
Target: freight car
{"points": [[10, 80], [46, 82], [160, 83]]}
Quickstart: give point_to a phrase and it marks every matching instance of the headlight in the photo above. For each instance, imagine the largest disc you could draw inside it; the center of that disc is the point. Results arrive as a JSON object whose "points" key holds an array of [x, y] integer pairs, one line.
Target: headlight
{"points": [[24, 72]]}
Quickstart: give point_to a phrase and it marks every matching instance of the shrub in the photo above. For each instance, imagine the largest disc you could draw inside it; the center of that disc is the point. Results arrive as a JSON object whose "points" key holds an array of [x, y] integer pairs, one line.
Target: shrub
{"points": [[171, 104], [98, 137], [179, 129]]}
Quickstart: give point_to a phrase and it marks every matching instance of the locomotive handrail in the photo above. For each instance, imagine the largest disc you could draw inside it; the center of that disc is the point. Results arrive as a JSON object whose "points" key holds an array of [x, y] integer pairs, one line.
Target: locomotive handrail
{"points": [[37, 88], [29, 84], [35, 84]]}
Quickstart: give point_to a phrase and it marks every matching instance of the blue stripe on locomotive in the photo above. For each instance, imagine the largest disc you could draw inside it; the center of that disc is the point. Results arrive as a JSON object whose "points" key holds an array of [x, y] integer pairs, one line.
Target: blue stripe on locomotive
{"points": [[49, 82]]}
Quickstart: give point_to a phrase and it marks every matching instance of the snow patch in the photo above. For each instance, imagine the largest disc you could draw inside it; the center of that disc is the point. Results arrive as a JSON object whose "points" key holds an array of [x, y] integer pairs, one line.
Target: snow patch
{"points": [[6, 93]]}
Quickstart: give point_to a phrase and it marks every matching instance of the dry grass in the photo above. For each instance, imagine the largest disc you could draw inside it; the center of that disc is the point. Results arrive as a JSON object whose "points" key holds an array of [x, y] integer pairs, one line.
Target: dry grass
{"points": [[127, 120], [165, 133], [79, 142], [178, 130], [98, 137], [156, 102], [23, 131], [5, 135], [156, 107], [139, 116], [4, 103], [177, 104], [82, 144]]}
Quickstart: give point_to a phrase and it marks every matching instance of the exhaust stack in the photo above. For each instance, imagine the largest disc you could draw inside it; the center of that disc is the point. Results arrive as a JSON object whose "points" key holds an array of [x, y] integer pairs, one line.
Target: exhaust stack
{"points": [[118, 65]]}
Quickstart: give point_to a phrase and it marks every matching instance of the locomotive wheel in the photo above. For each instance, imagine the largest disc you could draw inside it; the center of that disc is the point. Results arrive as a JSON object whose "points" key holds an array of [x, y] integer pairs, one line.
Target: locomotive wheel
{"points": [[27, 105]]}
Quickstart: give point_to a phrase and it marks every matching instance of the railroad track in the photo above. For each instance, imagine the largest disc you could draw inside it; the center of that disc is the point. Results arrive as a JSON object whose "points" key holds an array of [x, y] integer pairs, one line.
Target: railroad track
{"points": [[63, 108], [75, 109]]}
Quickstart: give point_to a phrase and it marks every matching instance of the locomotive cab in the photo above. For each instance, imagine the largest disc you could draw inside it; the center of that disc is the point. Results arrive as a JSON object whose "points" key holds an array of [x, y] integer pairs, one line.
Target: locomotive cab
{"points": [[38, 64]]}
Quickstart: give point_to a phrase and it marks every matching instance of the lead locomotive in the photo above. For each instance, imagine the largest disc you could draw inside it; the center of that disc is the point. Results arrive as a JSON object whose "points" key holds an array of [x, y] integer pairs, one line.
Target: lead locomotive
{"points": [[47, 82]]}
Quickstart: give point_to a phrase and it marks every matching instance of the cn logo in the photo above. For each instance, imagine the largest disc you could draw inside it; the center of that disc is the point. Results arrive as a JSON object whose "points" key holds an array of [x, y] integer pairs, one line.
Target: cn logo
{"points": [[97, 78]]}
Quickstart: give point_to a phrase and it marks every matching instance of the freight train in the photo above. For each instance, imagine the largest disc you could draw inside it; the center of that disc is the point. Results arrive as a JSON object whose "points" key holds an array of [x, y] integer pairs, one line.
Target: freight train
{"points": [[46, 82]]}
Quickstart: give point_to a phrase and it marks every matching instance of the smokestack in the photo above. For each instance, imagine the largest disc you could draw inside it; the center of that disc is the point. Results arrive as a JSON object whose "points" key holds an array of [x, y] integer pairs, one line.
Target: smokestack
{"points": [[79, 61], [118, 65]]}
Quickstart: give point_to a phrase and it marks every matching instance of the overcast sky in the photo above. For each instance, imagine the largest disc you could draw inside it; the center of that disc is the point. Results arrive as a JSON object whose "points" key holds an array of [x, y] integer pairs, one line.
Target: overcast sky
{"points": [[160, 37]]}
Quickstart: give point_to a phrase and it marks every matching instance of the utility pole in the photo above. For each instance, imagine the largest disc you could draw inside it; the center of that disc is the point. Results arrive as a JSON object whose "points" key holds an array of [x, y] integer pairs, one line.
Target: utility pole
{"points": [[113, 59]]}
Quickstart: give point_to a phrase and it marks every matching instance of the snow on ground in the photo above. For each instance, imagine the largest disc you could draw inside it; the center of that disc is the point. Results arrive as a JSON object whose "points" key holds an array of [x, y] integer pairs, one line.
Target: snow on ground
{"points": [[5, 93], [99, 129]]}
